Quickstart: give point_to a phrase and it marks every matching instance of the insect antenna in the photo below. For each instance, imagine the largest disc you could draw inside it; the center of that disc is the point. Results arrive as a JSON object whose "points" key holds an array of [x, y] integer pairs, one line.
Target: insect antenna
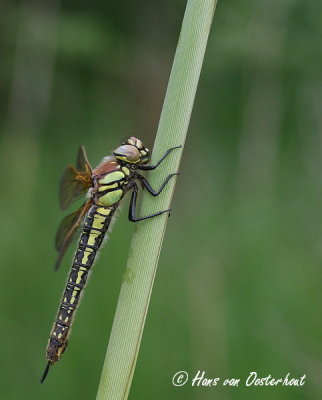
{"points": [[45, 372]]}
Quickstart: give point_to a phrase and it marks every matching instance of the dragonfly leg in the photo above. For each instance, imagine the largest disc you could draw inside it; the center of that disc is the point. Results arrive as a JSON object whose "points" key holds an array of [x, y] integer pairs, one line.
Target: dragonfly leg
{"points": [[149, 167], [132, 209], [148, 187]]}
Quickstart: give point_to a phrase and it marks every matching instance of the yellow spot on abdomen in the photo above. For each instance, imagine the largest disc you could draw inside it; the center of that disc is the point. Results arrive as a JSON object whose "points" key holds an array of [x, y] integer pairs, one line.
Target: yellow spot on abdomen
{"points": [[73, 298], [92, 237], [60, 351], [105, 211], [98, 221], [79, 276], [87, 253]]}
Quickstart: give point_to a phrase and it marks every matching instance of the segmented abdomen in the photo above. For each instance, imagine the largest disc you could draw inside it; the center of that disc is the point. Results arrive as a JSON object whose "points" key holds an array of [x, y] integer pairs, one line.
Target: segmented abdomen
{"points": [[95, 226]]}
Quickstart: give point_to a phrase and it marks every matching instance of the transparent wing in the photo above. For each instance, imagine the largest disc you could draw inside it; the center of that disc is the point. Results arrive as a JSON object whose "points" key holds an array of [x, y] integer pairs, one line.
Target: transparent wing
{"points": [[82, 163], [68, 229], [75, 181]]}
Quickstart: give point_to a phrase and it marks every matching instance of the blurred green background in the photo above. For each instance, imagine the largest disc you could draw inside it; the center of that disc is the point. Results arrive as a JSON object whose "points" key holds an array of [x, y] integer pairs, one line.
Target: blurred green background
{"points": [[238, 287]]}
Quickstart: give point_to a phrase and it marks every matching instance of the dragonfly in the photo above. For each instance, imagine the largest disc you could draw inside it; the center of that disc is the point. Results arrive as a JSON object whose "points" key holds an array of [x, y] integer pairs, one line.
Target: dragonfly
{"points": [[105, 186]]}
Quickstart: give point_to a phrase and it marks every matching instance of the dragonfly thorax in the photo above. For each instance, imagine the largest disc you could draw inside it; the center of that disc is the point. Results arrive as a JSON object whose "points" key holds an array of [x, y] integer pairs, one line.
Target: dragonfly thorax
{"points": [[110, 181]]}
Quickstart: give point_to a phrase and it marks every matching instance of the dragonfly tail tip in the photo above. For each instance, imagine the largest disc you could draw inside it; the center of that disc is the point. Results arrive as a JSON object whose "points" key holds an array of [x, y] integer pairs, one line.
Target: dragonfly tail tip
{"points": [[44, 375]]}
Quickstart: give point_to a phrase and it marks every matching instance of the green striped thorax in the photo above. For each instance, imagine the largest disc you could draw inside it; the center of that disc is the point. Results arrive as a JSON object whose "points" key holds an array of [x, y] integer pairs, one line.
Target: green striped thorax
{"points": [[111, 178]]}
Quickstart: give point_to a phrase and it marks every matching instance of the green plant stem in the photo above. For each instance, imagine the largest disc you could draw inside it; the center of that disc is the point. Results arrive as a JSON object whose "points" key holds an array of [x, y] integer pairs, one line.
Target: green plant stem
{"points": [[126, 334]]}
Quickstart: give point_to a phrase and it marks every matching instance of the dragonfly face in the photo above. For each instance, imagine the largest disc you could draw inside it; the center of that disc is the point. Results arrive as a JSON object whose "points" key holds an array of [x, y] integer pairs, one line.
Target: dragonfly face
{"points": [[132, 152], [106, 185]]}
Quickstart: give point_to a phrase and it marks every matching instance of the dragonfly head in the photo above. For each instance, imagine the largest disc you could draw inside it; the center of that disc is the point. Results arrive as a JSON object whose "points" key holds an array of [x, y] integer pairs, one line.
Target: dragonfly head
{"points": [[132, 151]]}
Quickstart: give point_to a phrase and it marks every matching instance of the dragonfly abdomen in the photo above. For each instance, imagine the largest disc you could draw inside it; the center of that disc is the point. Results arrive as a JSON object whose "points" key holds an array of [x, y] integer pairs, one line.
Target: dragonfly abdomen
{"points": [[95, 226]]}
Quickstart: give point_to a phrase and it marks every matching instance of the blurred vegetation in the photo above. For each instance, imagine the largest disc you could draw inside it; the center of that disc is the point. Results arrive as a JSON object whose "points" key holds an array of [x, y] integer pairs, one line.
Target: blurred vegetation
{"points": [[238, 285]]}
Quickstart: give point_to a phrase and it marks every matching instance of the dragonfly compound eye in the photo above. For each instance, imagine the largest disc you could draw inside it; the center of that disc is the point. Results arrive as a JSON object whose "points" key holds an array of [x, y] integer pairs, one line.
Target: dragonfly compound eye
{"points": [[127, 153]]}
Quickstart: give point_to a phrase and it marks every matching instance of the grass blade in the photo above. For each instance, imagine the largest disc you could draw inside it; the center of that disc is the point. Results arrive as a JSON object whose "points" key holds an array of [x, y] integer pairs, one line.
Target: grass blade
{"points": [[128, 325]]}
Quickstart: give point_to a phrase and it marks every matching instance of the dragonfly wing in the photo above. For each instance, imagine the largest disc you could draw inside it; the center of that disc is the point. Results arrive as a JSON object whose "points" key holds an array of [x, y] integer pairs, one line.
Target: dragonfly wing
{"points": [[82, 163], [75, 181], [67, 230]]}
